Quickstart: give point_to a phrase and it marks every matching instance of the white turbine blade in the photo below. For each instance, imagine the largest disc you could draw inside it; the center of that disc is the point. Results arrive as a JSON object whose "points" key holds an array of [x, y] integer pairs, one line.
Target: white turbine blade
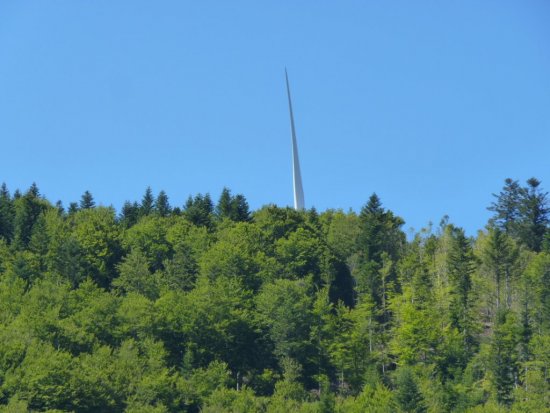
{"points": [[296, 175]]}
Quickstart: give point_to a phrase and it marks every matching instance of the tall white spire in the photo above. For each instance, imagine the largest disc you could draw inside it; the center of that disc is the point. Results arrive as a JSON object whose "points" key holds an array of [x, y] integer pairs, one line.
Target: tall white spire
{"points": [[296, 175]]}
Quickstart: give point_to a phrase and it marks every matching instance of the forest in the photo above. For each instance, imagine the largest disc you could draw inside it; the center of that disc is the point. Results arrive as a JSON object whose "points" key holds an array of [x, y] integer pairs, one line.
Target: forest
{"points": [[211, 307]]}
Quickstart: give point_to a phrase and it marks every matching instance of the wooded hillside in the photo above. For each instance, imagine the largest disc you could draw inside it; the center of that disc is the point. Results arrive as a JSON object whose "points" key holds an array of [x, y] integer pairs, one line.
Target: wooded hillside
{"points": [[211, 307]]}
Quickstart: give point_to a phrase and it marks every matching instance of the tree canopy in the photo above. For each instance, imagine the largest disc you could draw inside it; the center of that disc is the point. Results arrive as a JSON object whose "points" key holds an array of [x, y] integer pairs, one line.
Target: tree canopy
{"points": [[212, 307]]}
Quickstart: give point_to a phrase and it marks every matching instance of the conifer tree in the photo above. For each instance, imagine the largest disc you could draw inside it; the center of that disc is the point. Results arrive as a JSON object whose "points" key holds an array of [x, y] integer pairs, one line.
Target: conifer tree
{"points": [[380, 234], [129, 214], [87, 200], [461, 265], [147, 202], [199, 210], [162, 206], [7, 214], [499, 257], [27, 208], [504, 362], [240, 209], [407, 394], [73, 208], [506, 207], [224, 206], [534, 216]]}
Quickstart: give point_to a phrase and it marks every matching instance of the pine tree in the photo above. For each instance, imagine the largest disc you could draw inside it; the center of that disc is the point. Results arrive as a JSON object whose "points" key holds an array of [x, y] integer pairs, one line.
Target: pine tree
{"points": [[147, 202], [87, 200], [7, 214], [27, 210], [162, 206], [522, 212], [73, 208], [129, 215], [380, 237], [224, 206], [240, 209], [506, 207], [504, 362], [60, 208], [534, 216], [33, 191], [461, 265], [407, 394], [199, 210], [499, 257]]}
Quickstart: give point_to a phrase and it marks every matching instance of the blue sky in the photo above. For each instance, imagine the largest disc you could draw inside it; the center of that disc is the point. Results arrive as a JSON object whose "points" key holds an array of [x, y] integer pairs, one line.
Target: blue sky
{"points": [[429, 104]]}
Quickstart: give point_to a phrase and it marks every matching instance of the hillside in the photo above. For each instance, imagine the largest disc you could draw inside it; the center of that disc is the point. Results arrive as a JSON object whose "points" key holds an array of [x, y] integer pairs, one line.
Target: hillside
{"points": [[211, 307]]}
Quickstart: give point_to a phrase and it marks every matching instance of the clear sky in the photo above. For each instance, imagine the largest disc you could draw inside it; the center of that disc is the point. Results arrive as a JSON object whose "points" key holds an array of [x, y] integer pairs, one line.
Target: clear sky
{"points": [[429, 104]]}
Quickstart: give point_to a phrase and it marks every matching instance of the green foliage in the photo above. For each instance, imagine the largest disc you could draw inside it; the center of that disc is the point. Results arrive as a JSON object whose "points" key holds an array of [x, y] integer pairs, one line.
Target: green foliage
{"points": [[136, 277], [147, 203], [231, 207], [504, 366], [407, 394], [285, 307], [27, 211], [149, 236], [87, 201], [199, 210], [162, 205], [522, 212], [219, 310], [7, 214]]}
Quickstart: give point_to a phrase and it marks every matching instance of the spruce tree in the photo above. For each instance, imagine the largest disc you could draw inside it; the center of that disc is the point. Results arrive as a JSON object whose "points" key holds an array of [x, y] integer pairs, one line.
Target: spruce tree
{"points": [[240, 209], [506, 207], [534, 216], [73, 208], [7, 214], [499, 257], [27, 210], [147, 202], [60, 208], [129, 215], [504, 362], [162, 206], [461, 265], [407, 394], [87, 200], [199, 210], [224, 206]]}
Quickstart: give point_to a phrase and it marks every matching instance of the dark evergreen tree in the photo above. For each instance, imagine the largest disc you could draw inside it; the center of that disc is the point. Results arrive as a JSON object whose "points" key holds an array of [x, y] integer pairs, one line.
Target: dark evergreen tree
{"points": [[380, 231], [60, 208], [504, 362], [534, 217], [380, 236], [129, 215], [162, 206], [27, 210], [461, 265], [506, 207], [199, 210], [7, 214], [87, 200], [73, 208], [499, 257], [224, 206], [231, 207], [33, 190], [147, 202], [240, 209], [407, 394]]}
